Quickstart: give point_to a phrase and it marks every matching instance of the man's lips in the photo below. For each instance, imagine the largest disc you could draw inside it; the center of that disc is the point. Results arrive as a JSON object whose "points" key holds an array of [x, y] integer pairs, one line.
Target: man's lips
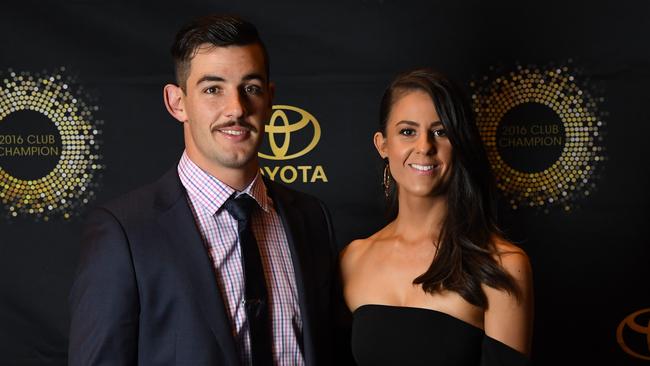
{"points": [[234, 133], [235, 130]]}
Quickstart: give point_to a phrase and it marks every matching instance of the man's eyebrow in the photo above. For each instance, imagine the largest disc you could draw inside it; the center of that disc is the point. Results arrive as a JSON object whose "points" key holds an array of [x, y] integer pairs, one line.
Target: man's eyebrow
{"points": [[248, 77], [209, 78], [254, 76]]}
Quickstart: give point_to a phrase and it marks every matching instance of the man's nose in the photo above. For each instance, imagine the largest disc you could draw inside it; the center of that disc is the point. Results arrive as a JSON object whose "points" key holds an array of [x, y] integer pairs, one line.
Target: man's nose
{"points": [[235, 105]]}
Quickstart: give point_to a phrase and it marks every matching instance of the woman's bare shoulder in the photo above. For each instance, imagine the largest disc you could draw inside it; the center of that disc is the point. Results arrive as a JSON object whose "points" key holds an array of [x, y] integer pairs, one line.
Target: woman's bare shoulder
{"points": [[506, 308], [352, 253], [513, 259], [357, 247]]}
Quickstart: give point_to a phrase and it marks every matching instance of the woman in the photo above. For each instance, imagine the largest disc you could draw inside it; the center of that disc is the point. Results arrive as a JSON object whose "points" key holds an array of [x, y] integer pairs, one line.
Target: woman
{"points": [[438, 285]]}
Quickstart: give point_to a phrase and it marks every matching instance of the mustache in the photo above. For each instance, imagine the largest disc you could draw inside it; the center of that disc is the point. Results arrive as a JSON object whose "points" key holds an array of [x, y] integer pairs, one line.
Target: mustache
{"points": [[231, 123]]}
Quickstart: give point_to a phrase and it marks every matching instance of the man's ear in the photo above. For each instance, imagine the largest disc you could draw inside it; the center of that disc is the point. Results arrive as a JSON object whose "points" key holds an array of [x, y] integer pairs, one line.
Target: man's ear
{"points": [[175, 102], [380, 144]]}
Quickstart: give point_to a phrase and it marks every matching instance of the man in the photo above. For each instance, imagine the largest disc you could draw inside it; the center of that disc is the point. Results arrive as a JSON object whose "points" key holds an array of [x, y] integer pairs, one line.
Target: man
{"points": [[167, 275]]}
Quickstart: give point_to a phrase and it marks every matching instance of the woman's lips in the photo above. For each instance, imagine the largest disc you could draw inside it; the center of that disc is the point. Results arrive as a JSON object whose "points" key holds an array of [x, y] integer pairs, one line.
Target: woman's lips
{"points": [[425, 169]]}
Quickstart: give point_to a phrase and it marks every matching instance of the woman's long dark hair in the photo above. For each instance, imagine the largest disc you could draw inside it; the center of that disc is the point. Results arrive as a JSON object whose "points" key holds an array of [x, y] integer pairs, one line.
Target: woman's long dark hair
{"points": [[465, 256]]}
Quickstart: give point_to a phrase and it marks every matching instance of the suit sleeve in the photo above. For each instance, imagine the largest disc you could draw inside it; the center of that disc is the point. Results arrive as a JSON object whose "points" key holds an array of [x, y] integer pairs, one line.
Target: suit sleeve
{"points": [[104, 297], [340, 315]]}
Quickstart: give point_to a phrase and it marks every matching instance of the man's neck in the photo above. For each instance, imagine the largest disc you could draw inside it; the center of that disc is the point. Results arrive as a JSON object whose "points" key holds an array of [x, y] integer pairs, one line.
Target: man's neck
{"points": [[236, 178]]}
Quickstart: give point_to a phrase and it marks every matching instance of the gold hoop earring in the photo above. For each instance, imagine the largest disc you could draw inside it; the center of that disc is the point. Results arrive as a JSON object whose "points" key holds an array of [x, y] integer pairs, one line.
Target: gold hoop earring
{"points": [[387, 181]]}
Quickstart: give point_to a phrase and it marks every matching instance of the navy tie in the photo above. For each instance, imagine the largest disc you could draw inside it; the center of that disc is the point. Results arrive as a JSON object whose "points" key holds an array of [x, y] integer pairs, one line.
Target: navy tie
{"points": [[256, 296]]}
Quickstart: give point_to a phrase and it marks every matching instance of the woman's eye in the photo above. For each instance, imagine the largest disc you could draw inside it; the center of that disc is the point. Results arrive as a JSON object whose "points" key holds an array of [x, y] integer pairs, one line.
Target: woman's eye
{"points": [[440, 133], [407, 132]]}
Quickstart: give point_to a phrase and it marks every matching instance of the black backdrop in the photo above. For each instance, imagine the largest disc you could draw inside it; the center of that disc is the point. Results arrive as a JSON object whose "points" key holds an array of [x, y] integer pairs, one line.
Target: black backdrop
{"points": [[333, 59]]}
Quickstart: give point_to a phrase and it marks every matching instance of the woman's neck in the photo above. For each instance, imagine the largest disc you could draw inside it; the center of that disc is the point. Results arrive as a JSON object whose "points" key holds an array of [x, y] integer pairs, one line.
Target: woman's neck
{"points": [[420, 217]]}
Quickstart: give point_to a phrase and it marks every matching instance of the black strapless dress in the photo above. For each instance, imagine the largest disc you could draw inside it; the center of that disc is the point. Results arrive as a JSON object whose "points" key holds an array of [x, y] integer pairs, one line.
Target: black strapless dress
{"points": [[396, 335]]}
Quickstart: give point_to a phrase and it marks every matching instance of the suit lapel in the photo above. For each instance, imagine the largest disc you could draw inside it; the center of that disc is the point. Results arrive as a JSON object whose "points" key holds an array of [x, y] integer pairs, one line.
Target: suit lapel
{"points": [[301, 257], [177, 222]]}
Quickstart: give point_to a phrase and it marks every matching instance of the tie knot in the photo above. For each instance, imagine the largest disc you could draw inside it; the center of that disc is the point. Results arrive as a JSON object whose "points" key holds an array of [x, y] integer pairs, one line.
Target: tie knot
{"points": [[240, 207]]}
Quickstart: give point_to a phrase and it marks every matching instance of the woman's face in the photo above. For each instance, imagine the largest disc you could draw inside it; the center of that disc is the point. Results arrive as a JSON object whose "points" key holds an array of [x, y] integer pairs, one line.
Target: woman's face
{"points": [[416, 145]]}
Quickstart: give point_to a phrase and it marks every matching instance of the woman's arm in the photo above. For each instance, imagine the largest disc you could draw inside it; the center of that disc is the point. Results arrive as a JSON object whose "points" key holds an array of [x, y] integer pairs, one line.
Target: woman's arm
{"points": [[509, 319]]}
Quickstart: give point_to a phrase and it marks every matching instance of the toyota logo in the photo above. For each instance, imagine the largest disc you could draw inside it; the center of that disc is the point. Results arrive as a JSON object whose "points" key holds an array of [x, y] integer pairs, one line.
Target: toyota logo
{"points": [[281, 124], [633, 330]]}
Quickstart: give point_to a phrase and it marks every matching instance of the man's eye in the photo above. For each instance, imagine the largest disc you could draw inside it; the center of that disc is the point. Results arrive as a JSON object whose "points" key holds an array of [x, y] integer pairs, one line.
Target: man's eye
{"points": [[440, 133], [253, 89], [211, 90], [407, 132]]}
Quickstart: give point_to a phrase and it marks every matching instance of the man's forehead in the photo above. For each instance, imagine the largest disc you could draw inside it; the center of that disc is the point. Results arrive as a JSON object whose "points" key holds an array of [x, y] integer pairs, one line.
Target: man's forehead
{"points": [[208, 48], [208, 60], [204, 48]]}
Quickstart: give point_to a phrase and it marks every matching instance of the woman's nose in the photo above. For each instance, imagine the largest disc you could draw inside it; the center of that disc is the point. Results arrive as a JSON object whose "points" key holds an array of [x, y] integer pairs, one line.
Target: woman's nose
{"points": [[426, 144]]}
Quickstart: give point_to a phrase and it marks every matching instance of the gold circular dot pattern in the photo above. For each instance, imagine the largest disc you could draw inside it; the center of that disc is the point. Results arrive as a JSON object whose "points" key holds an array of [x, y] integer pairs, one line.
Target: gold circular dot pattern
{"points": [[572, 175], [72, 182]]}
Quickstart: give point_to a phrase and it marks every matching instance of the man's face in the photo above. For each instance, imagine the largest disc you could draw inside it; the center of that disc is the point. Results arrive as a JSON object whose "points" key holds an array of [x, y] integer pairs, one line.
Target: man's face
{"points": [[227, 101]]}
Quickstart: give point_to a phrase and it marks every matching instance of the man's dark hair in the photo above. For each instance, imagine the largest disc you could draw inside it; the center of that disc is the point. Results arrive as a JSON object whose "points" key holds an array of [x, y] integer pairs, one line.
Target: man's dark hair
{"points": [[466, 248], [217, 30]]}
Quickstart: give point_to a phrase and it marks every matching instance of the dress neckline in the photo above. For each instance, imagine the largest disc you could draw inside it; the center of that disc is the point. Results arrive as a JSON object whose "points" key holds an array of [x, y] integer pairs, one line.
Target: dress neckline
{"points": [[417, 309], [491, 342]]}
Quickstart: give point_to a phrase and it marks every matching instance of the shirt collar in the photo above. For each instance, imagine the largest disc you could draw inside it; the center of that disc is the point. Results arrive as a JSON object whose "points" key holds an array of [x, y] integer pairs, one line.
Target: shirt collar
{"points": [[211, 193]]}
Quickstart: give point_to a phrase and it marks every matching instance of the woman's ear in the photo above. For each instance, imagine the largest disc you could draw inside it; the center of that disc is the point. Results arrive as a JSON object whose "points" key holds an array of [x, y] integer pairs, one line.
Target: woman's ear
{"points": [[175, 102], [380, 144]]}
